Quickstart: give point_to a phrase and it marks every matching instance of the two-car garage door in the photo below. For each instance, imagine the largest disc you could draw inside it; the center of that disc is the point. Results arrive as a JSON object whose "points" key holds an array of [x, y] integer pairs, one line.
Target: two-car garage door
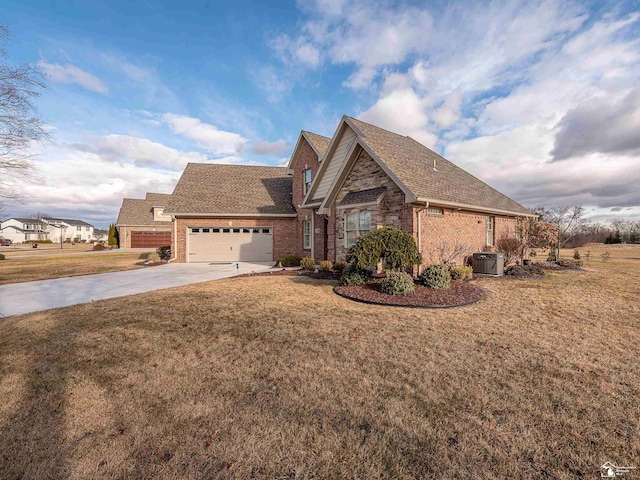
{"points": [[233, 244]]}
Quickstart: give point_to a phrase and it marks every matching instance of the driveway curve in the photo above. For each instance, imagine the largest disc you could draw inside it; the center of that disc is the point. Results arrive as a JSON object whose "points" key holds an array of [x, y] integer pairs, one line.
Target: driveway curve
{"points": [[27, 297]]}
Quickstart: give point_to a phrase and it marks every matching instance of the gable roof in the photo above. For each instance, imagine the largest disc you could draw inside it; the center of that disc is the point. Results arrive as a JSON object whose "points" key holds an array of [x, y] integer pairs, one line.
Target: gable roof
{"points": [[212, 189], [68, 221], [25, 220], [411, 165], [317, 142], [139, 212]]}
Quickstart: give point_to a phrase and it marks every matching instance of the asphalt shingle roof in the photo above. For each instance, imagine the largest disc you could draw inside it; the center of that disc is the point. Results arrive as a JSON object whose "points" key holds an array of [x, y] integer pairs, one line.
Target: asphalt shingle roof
{"points": [[413, 163], [139, 212], [69, 221], [320, 143], [232, 189], [363, 196]]}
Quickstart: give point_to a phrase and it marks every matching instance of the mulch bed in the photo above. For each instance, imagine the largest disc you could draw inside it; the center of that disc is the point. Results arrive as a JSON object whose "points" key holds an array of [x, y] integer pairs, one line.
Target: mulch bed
{"points": [[460, 293], [480, 276]]}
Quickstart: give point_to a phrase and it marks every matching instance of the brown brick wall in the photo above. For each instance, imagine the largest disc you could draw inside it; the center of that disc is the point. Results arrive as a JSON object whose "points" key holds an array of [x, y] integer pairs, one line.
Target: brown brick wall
{"points": [[391, 212], [125, 233], [284, 241], [307, 159], [458, 227]]}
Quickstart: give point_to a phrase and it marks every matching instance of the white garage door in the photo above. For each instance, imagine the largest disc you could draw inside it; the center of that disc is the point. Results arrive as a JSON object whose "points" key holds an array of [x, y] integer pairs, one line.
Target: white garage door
{"points": [[233, 244]]}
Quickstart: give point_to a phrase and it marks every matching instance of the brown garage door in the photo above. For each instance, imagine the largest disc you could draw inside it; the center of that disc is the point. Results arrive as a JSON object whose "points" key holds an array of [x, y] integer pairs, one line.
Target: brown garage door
{"points": [[150, 239]]}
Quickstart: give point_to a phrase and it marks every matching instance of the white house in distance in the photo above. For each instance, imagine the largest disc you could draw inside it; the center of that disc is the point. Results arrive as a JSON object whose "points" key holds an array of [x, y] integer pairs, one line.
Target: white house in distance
{"points": [[20, 229], [74, 230]]}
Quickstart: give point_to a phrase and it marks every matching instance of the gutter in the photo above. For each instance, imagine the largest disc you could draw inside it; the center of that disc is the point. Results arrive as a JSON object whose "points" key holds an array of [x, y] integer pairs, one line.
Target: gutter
{"points": [[475, 208], [175, 236]]}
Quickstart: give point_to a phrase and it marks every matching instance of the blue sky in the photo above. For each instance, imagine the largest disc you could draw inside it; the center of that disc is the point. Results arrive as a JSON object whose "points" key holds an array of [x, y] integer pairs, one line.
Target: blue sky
{"points": [[539, 99]]}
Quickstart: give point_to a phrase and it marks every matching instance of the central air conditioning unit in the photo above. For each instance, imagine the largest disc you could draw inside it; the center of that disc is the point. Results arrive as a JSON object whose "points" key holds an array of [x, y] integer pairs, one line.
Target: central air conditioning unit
{"points": [[488, 263]]}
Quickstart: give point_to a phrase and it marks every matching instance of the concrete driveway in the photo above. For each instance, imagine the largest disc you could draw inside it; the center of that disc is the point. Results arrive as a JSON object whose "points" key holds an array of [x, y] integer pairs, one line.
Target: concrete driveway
{"points": [[29, 297]]}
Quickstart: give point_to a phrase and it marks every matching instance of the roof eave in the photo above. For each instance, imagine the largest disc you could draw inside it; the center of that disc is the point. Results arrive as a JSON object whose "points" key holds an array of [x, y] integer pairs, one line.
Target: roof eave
{"points": [[238, 215], [475, 208]]}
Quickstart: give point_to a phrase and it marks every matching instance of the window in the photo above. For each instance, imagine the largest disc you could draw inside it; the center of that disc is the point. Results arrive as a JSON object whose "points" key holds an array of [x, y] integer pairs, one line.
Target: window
{"points": [[266, 230], [225, 230], [306, 175], [216, 230], [357, 224], [205, 230], [195, 230], [489, 229], [256, 230], [434, 211], [86, 228], [307, 234], [236, 230], [246, 230], [78, 228]]}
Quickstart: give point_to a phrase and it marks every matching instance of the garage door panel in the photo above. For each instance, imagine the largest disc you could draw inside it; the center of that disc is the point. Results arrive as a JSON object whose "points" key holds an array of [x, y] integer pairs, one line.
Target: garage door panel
{"points": [[142, 239], [233, 244]]}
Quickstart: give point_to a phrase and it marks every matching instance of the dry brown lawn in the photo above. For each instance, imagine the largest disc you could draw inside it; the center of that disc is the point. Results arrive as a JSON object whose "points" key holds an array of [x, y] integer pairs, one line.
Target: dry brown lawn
{"points": [[277, 377], [46, 248], [27, 269]]}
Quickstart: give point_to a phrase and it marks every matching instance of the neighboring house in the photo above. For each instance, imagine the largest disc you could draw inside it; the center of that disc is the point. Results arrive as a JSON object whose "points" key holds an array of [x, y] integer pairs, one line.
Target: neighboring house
{"points": [[19, 230], [142, 222], [70, 229], [100, 235], [333, 191]]}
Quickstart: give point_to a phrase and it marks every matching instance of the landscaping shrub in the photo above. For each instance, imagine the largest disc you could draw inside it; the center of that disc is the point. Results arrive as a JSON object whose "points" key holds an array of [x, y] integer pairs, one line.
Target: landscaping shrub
{"points": [[289, 261], [1, 256], [153, 257], [353, 275], [524, 270], [339, 266], [164, 252], [397, 283], [98, 247], [576, 255], [569, 263], [511, 248], [398, 249], [307, 263], [38, 241], [326, 266], [461, 273], [435, 276]]}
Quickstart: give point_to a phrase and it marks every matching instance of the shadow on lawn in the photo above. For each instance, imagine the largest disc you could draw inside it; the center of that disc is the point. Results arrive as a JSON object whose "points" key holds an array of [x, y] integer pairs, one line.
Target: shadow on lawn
{"points": [[32, 438]]}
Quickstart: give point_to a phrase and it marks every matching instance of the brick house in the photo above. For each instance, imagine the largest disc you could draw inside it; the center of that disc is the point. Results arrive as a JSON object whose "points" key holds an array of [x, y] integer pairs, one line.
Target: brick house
{"points": [[142, 223], [331, 192]]}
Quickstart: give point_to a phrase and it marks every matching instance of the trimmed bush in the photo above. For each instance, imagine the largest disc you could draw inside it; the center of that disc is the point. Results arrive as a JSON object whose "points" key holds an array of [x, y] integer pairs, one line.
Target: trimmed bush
{"points": [[397, 283], [354, 276], [524, 270], [164, 252], [339, 266], [289, 261], [567, 263], [398, 249], [461, 273], [307, 263], [576, 255], [38, 241], [1, 256], [435, 276], [326, 266], [98, 247], [153, 257]]}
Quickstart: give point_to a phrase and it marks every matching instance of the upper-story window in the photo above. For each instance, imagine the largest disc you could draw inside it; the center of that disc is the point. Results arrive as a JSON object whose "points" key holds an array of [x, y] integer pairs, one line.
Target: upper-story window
{"points": [[78, 228], [306, 176]]}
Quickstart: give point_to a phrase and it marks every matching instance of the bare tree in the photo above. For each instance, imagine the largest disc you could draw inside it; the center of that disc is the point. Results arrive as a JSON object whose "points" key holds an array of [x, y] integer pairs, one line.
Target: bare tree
{"points": [[444, 252], [20, 124], [568, 220]]}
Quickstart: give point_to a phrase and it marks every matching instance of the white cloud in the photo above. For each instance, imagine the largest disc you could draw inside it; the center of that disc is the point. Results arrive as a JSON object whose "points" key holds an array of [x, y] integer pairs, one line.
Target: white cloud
{"points": [[70, 74], [205, 135], [270, 148]]}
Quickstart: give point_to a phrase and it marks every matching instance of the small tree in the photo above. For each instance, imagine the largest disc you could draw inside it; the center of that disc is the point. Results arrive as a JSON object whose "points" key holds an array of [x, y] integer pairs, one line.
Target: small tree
{"points": [[444, 252], [397, 248], [535, 233], [112, 240]]}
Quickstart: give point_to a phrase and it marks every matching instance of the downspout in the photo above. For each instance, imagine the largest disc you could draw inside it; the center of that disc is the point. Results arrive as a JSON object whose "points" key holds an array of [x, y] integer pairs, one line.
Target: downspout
{"points": [[418, 210], [175, 237]]}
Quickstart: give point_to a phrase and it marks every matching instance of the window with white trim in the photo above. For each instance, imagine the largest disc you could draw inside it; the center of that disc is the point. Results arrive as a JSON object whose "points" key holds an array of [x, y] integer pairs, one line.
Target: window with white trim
{"points": [[306, 179], [306, 226], [490, 224], [356, 224]]}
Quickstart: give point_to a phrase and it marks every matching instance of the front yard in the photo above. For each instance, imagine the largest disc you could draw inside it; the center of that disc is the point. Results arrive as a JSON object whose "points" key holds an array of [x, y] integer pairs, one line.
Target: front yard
{"points": [[30, 268], [278, 377]]}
